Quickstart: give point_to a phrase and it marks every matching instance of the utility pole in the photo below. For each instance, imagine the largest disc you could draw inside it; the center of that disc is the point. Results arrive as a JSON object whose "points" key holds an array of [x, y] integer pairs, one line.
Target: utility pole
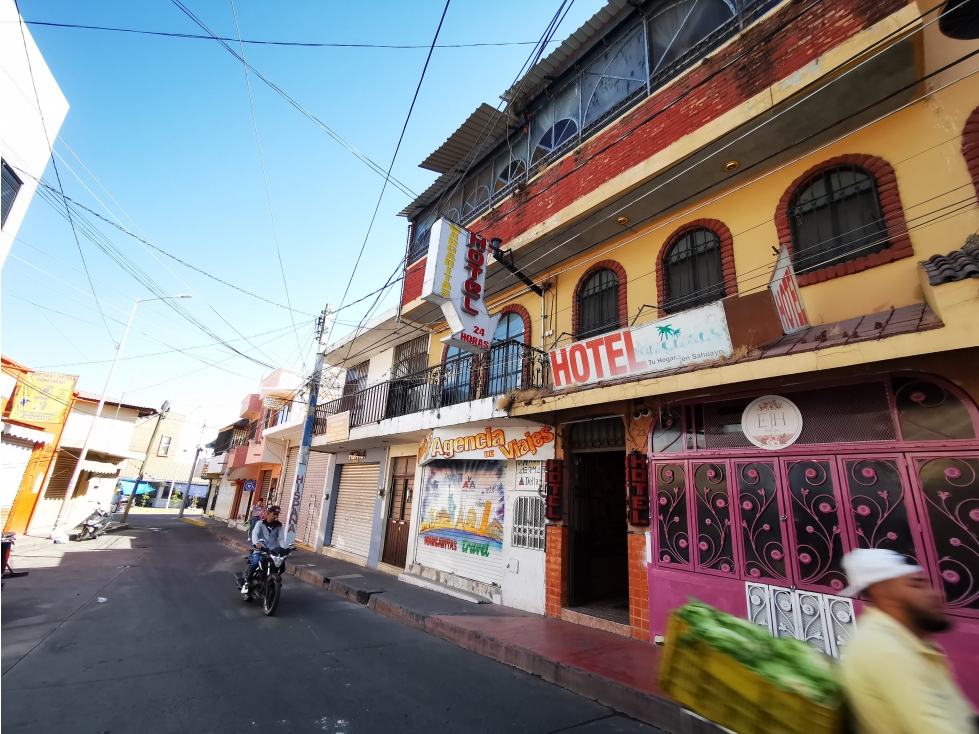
{"points": [[146, 457], [193, 466], [295, 502]]}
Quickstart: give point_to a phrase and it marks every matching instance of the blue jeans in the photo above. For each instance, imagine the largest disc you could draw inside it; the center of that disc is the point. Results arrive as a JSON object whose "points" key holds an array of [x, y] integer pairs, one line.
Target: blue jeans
{"points": [[254, 557]]}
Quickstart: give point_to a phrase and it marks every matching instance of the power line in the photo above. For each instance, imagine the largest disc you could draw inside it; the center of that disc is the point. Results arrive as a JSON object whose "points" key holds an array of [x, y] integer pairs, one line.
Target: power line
{"points": [[54, 163], [305, 112], [265, 178], [276, 43]]}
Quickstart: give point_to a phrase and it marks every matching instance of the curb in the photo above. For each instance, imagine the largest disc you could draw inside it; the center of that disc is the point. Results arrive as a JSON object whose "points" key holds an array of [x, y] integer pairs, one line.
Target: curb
{"points": [[192, 522], [645, 707]]}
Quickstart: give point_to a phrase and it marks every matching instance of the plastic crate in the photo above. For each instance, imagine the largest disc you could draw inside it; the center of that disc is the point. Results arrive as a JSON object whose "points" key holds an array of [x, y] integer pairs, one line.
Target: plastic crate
{"points": [[719, 688]]}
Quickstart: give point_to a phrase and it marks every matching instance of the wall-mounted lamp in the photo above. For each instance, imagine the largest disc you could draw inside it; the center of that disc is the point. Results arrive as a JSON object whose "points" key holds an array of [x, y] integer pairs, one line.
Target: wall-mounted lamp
{"points": [[623, 220], [731, 166]]}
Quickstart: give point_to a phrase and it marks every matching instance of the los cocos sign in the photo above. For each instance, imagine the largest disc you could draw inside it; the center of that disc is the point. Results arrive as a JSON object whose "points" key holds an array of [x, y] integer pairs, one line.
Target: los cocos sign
{"points": [[455, 275]]}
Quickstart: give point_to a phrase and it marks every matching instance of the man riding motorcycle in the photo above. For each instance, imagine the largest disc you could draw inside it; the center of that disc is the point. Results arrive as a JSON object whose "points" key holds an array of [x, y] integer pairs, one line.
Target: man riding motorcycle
{"points": [[266, 535]]}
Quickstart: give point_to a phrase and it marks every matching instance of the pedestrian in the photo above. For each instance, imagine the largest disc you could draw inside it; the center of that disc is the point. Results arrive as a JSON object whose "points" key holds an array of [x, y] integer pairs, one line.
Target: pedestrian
{"points": [[256, 515], [896, 680]]}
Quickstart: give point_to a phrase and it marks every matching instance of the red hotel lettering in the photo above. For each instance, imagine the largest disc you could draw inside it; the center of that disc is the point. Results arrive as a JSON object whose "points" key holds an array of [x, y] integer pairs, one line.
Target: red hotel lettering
{"points": [[579, 363], [475, 259], [630, 353], [614, 354], [595, 346], [560, 368]]}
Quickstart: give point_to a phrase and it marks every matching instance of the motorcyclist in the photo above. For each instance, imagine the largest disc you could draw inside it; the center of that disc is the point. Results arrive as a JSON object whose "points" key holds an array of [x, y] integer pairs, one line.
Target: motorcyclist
{"points": [[266, 535]]}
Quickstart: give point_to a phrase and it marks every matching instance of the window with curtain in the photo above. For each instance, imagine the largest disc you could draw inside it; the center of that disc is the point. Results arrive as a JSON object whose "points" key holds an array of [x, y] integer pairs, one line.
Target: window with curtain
{"points": [[598, 305], [506, 355], [692, 273], [835, 215]]}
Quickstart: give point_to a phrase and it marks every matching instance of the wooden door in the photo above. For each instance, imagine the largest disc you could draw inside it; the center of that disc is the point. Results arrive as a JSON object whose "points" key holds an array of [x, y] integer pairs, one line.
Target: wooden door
{"points": [[399, 512]]}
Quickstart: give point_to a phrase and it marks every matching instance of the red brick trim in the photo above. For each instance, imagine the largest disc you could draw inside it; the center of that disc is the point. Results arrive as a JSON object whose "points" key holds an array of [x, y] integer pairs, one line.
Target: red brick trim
{"points": [[727, 256], [970, 147], [890, 202], [638, 587], [414, 280], [445, 352], [555, 570], [623, 292], [523, 313]]}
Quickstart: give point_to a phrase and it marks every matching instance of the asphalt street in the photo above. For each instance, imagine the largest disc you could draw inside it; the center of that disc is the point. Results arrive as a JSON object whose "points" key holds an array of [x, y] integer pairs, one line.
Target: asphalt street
{"points": [[144, 631]]}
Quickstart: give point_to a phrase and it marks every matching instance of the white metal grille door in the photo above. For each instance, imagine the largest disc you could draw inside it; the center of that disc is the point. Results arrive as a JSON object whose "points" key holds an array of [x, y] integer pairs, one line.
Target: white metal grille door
{"points": [[312, 500], [824, 621], [356, 497]]}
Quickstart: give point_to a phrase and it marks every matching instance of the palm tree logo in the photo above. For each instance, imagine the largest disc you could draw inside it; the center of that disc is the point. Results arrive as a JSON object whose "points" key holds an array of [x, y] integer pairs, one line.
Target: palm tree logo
{"points": [[667, 331]]}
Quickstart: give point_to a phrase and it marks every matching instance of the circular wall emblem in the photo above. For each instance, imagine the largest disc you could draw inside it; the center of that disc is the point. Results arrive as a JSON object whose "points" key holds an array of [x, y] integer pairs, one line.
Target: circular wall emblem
{"points": [[772, 422], [249, 485]]}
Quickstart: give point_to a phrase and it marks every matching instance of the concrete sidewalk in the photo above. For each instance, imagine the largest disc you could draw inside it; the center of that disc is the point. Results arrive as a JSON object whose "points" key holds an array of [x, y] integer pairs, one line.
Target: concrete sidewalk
{"points": [[612, 670]]}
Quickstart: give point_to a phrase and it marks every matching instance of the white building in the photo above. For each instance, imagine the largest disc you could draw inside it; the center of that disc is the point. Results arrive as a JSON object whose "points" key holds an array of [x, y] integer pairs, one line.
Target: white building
{"points": [[31, 115]]}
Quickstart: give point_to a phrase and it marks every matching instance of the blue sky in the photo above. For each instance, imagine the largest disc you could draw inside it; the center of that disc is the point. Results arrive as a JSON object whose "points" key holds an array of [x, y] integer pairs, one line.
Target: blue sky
{"points": [[164, 125]]}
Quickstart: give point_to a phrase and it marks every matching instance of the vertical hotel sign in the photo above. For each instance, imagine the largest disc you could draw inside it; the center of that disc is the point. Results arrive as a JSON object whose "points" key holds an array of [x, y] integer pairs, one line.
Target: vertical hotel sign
{"points": [[455, 275], [785, 291], [42, 397]]}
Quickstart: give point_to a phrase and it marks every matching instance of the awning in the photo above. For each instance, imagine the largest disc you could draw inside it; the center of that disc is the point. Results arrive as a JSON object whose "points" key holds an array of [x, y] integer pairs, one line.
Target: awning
{"points": [[28, 434], [99, 467]]}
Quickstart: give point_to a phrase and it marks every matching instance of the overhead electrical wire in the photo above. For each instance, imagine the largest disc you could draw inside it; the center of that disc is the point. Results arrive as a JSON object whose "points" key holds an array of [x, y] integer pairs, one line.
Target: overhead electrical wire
{"points": [[305, 112], [277, 43], [265, 178], [54, 163]]}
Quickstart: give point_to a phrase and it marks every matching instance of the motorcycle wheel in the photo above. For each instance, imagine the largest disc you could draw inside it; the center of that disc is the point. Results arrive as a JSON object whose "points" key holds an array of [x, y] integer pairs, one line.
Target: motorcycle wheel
{"points": [[270, 595]]}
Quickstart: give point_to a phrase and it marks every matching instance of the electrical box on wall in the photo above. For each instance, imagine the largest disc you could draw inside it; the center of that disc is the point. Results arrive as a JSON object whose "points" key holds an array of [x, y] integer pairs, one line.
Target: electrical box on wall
{"points": [[554, 484], [637, 481]]}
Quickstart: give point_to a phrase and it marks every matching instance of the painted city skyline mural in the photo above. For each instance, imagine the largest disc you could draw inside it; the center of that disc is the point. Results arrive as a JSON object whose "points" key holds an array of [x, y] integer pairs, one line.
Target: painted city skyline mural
{"points": [[462, 507]]}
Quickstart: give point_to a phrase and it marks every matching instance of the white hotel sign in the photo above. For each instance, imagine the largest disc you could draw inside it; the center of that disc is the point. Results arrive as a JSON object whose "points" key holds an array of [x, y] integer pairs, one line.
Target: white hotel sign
{"points": [[455, 275], [698, 335]]}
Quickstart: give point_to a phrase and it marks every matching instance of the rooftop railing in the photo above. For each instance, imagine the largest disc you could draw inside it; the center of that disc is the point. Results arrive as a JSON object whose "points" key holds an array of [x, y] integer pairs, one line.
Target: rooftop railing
{"points": [[507, 367]]}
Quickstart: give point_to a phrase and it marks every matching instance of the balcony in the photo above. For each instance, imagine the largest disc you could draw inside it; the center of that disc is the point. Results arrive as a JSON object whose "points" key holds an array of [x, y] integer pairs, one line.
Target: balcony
{"points": [[237, 457], [251, 407], [510, 366], [282, 383]]}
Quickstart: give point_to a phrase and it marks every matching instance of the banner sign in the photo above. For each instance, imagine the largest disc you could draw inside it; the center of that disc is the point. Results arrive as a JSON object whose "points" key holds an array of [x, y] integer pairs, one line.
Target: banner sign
{"points": [[337, 427], [455, 274], [270, 402], [42, 397], [698, 335], [531, 443], [788, 299]]}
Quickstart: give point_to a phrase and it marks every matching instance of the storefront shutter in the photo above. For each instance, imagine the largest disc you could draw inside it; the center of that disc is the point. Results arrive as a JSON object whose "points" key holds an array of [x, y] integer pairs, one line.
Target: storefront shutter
{"points": [[312, 500], [355, 508], [15, 455]]}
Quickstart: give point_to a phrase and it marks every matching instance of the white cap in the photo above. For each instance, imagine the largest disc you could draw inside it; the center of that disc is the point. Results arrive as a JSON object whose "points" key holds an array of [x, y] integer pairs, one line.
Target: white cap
{"points": [[867, 566]]}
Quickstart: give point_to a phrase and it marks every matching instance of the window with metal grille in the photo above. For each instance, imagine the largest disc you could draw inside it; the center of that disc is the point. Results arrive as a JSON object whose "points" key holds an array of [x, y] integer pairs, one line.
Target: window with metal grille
{"points": [[356, 378], [528, 523], [598, 305], [506, 355], [692, 270], [835, 215], [597, 435], [11, 185], [410, 357]]}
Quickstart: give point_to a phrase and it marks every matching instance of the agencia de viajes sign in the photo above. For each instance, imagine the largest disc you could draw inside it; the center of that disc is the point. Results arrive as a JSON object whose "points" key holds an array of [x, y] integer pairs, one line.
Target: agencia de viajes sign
{"points": [[698, 335]]}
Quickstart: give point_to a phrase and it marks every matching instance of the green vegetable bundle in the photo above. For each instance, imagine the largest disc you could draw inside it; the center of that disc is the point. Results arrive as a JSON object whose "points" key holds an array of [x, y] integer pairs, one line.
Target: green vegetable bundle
{"points": [[790, 664]]}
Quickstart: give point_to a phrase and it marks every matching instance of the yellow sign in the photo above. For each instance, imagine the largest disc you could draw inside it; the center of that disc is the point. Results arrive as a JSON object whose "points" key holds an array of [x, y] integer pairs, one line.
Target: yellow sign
{"points": [[42, 397], [337, 427]]}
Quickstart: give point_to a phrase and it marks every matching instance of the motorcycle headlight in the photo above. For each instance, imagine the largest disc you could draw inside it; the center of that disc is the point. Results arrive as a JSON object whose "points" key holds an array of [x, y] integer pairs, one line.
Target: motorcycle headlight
{"points": [[277, 560]]}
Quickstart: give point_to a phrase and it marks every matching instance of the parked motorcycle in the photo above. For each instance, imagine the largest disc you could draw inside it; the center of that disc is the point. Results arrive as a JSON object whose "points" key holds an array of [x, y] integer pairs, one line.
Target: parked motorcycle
{"points": [[266, 581], [95, 524]]}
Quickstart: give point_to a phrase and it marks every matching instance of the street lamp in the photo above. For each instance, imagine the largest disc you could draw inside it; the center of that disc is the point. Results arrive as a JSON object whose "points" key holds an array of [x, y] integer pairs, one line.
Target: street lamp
{"points": [[98, 412]]}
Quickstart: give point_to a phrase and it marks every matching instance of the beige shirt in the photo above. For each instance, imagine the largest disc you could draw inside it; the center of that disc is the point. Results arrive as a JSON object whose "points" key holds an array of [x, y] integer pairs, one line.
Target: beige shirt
{"points": [[898, 683]]}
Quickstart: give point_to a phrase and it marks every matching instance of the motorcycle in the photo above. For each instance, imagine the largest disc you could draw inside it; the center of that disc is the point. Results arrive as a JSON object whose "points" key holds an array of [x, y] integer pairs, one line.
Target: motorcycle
{"points": [[95, 524], [266, 581]]}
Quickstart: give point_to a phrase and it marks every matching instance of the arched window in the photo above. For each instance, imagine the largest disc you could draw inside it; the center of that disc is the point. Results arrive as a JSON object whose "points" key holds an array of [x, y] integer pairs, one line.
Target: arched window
{"points": [[457, 376], [506, 366], [835, 215], [598, 304], [692, 270]]}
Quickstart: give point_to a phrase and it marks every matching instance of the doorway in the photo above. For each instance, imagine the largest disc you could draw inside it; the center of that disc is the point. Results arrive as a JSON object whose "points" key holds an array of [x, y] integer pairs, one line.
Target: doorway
{"points": [[599, 556], [399, 512]]}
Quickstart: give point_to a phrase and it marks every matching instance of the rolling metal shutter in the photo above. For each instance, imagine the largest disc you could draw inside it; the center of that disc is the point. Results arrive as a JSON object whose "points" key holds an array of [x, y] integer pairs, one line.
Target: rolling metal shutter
{"points": [[283, 491], [312, 500], [355, 508]]}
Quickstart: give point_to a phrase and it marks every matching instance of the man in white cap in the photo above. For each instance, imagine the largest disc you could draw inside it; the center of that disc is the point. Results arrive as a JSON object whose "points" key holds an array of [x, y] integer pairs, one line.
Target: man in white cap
{"points": [[896, 680]]}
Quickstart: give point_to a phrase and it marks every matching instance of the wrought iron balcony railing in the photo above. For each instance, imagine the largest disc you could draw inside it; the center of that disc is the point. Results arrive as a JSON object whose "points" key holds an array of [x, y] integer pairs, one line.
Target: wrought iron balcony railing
{"points": [[507, 367]]}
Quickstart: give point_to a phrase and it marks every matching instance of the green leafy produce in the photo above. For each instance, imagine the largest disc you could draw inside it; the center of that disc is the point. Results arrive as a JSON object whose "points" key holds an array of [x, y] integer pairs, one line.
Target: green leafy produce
{"points": [[790, 664]]}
